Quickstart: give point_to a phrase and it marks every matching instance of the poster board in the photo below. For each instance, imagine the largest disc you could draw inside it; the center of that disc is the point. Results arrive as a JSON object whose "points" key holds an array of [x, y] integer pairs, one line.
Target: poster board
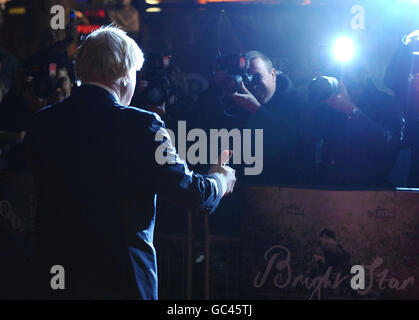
{"points": [[302, 243]]}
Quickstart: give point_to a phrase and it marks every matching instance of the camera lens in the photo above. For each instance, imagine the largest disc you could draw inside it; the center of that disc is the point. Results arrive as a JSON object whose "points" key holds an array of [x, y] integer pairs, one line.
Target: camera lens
{"points": [[43, 87], [322, 88], [232, 83]]}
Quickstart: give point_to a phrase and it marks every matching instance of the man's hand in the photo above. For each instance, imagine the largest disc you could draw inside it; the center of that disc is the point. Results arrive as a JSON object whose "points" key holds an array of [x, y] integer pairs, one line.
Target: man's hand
{"points": [[224, 173], [341, 102], [245, 99]]}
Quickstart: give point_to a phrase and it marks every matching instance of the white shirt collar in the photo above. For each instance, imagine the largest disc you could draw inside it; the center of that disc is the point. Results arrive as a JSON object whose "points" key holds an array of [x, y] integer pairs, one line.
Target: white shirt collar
{"points": [[109, 89]]}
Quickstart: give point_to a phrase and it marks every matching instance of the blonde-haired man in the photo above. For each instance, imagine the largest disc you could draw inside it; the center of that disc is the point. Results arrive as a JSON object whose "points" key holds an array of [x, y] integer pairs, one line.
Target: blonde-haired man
{"points": [[97, 180], [110, 59]]}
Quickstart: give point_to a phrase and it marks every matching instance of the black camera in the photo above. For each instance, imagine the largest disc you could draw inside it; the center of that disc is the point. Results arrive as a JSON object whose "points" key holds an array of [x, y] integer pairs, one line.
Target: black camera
{"points": [[155, 73], [322, 88], [44, 79], [236, 66]]}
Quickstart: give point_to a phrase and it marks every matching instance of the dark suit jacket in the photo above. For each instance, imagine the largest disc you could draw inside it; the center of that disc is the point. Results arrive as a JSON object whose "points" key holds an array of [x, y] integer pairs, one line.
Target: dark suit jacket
{"points": [[98, 180]]}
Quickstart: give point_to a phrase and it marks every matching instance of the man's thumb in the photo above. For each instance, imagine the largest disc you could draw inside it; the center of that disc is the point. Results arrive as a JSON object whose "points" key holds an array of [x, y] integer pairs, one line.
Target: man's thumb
{"points": [[224, 157]]}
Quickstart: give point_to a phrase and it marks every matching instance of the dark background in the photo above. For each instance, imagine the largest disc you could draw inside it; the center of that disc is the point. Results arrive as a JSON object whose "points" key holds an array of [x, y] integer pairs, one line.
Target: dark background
{"points": [[296, 37]]}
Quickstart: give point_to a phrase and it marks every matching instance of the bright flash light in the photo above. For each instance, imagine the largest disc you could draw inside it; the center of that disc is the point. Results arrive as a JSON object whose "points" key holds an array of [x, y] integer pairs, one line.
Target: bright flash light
{"points": [[344, 49]]}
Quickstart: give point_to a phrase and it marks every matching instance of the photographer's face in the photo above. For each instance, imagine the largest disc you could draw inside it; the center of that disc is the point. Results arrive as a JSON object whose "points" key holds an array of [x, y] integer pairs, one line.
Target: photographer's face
{"points": [[65, 83], [265, 83], [63, 90]]}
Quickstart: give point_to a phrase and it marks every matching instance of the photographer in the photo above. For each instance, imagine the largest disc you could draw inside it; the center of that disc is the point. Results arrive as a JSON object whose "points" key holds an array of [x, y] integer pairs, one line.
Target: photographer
{"points": [[46, 78], [355, 133], [33, 90], [402, 76], [162, 89], [44, 81], [262, 99], [126, 16], [274, 106], [215, 107]]}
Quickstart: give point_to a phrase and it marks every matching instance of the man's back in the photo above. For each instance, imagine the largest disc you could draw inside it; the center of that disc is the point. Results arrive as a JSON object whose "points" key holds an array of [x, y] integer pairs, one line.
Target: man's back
{"points": [[96, 173]]}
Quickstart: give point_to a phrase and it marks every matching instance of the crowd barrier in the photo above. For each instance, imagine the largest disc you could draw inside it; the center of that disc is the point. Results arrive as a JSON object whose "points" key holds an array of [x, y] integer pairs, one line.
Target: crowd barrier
{"points": [[303, 243], [294, 243]]}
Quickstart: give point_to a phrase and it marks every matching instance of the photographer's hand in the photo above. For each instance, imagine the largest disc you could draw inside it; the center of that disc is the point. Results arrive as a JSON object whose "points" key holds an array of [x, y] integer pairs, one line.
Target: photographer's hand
{"points": [[341, 102], [245, 100]]}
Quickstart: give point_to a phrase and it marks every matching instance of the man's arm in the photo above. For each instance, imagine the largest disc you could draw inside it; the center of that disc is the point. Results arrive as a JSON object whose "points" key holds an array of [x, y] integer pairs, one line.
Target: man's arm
{"points": [[380, 138], [381, 135], [175, 182]]}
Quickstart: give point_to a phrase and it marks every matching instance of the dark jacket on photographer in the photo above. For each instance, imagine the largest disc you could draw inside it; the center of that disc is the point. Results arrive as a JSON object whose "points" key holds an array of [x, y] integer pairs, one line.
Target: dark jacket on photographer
{"points": [[282, 148], [357, 150], [279, 120], [401, 77]]}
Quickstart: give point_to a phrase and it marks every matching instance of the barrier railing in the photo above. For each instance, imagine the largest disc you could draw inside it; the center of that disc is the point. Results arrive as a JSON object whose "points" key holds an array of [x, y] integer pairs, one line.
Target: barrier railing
{"points": [[293, 243]]}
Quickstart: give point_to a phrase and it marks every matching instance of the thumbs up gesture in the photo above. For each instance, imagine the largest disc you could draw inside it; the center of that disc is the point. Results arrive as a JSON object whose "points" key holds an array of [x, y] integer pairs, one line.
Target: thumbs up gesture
{"points": [[224, 173]]}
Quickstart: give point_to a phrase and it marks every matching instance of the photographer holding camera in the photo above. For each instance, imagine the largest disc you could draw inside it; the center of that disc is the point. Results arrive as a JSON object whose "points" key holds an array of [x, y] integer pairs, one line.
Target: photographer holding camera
{"points": [[402, 77], [44, 81], [274, 106], [354, 131], [215, 107], [249, 93], [46, 78], [162, 89]]}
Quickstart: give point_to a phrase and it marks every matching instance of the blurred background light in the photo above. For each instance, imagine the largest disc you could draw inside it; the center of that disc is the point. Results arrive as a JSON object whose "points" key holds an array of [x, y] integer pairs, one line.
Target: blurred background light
{"points": [[153, 9], [152, 2]]}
